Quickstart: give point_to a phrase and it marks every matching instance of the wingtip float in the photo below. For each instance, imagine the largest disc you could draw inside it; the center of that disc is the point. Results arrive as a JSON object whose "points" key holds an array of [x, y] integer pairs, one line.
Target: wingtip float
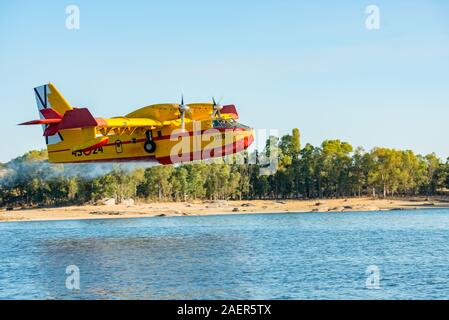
{"points": [[166, 133]]}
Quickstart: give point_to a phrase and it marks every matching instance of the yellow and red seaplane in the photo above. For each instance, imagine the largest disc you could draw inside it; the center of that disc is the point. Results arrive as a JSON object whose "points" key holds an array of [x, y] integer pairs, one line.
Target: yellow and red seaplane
{"points": [[167, 133]]}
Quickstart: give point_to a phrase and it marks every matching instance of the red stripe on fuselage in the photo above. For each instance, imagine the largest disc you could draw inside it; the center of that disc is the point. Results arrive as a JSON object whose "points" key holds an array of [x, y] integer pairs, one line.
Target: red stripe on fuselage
{"points": [[231, 148], [189, 133]]}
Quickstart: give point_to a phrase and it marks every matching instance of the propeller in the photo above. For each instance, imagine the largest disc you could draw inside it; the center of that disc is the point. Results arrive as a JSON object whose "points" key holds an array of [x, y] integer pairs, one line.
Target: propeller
{"points": [[216, 108], [182, 110]]}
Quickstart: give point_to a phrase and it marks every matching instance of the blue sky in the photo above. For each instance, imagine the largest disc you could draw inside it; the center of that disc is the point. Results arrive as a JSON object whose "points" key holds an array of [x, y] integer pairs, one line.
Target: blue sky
{"points": [[306, 64]]}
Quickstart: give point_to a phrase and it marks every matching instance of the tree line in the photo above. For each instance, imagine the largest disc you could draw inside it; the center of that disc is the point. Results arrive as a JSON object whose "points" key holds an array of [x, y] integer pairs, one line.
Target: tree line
{"points": [[333, 169]]}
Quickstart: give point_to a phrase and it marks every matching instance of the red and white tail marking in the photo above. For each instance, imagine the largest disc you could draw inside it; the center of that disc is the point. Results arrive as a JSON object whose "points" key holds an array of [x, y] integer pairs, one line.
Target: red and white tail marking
{"points": [[47, 115]]}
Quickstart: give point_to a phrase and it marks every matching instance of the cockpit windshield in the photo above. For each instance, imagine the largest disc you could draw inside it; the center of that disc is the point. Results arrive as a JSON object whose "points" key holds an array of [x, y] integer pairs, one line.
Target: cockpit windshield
{"points": [[223, 123], [227, 123]]}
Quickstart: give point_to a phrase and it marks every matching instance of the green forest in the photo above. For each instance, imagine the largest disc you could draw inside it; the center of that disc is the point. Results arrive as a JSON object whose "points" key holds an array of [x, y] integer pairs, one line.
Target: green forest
{"points": [[333, 169]]}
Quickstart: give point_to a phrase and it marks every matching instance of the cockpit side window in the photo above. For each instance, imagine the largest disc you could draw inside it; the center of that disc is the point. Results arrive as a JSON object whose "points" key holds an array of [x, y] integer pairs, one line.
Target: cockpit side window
{"points": [[221, 123]]}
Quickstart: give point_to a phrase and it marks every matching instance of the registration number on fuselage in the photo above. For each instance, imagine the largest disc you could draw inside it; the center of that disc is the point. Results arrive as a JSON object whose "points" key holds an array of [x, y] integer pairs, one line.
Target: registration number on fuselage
{"points": [[81, 153]]}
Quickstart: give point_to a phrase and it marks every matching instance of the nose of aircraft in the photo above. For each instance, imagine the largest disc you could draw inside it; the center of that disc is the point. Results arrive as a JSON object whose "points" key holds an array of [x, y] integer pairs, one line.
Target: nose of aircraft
{"points": [[249, 138]]}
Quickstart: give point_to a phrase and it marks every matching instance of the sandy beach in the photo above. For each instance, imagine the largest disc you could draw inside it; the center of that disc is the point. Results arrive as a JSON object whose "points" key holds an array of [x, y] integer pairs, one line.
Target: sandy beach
{"points": [[196, 208]]}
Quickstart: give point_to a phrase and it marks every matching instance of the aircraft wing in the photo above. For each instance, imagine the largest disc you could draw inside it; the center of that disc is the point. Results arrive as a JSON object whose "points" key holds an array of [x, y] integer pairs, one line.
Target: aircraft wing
{"points": [[170, 112], [203, 111], [200, 111], [158, 112]]}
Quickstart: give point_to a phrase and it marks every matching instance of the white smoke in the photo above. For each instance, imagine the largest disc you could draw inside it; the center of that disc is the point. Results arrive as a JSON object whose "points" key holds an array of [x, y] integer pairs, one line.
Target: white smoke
{"points": [[23, 170]]}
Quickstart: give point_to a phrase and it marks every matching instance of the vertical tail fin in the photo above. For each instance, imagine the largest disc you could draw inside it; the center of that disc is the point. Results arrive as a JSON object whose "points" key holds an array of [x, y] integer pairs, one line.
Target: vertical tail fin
{"points": [[50, 104]]}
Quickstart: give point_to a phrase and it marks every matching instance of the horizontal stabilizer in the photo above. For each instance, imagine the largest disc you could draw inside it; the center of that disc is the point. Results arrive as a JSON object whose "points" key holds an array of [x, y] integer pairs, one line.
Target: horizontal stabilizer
{"points": [[72, 119], [49, 113], [77, 118], [41, 121], [51, 130]]}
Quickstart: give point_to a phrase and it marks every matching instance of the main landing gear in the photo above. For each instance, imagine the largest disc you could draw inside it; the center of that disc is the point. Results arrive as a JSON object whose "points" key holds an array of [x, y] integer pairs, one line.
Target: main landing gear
{"points": [[149, 145]]}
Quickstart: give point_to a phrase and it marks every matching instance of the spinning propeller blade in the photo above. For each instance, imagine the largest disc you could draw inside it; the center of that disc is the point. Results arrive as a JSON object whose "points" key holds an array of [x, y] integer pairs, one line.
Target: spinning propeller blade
{"points": [[182, 110], [216, 108]]}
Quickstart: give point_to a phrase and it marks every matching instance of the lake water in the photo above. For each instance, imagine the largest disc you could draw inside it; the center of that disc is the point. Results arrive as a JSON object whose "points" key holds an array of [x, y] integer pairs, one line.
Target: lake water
{"points": [[266, 256]]}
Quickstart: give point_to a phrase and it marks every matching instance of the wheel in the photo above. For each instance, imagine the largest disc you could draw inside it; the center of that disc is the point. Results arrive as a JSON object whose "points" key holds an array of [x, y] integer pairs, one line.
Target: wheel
{"points": [[149, 146]]}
